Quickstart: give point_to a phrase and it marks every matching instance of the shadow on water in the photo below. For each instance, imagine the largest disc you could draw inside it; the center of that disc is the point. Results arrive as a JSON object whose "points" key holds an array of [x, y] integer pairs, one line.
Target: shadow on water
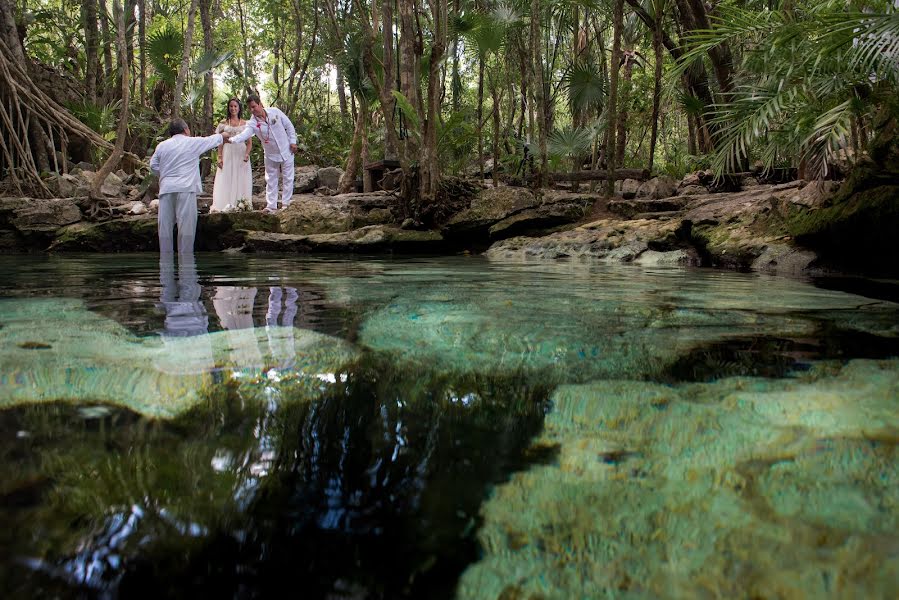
{"points": [[371, 492], [776, 357]]}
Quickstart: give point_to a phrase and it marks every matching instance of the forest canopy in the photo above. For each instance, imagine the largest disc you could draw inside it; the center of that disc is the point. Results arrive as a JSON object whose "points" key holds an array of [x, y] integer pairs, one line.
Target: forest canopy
{"points": [[515, 89]]}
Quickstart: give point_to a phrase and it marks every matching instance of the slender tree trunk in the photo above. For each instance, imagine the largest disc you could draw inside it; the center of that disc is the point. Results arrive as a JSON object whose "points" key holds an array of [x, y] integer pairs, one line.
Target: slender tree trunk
{"points": [[92, 48], [617, 21], [122, 130], [248, 87], [341, 95], [209, 82], [129, 40], [656, 89], [480, 123], [354, 160], [384, 87], [185, 60], [409, 68], [624, 96], [494, 93], [430, 171], [456, 84], [539, 90], [107, 45], [720, 55], [142, 44], [208, 46]]}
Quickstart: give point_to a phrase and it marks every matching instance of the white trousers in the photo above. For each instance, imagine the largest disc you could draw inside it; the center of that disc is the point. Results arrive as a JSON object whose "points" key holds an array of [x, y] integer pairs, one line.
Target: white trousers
{"points": [[272, 170], [180, 207]]}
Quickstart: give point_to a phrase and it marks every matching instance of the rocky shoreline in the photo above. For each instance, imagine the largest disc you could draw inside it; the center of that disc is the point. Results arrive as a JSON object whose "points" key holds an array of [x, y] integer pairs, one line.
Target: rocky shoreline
{"points": [[789, 228]]}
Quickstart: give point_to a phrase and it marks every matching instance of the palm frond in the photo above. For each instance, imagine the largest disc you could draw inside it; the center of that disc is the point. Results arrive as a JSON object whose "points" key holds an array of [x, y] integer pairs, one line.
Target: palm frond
{"points": [[210, 60], [828, 135], [585, 84], [569, 142], [164, 49]]}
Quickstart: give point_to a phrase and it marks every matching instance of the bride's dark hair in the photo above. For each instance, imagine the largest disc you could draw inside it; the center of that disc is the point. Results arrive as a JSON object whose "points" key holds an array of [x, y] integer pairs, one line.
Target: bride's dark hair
{"points": [[228, 108]]}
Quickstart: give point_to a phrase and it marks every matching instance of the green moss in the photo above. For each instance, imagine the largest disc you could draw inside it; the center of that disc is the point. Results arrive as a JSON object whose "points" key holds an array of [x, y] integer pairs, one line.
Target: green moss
{"points": [[862, 226]]}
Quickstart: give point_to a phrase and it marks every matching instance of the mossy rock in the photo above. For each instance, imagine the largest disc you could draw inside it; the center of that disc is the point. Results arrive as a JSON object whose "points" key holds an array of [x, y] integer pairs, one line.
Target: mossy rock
{"points": [[217, 231], [122, 235], [860, 228]]}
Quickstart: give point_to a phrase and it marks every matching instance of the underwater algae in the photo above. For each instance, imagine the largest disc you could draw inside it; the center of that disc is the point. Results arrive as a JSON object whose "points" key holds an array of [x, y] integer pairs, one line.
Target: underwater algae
{"points": [[58, 350], [738, 488]]}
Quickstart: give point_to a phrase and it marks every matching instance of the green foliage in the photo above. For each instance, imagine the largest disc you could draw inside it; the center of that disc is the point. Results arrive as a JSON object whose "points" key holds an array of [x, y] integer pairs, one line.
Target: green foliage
{"points": [[165, 48], [585, 84], [102, 118], [570, 143], [456, 137], [407, 109], [805, 75], [210, 60]]}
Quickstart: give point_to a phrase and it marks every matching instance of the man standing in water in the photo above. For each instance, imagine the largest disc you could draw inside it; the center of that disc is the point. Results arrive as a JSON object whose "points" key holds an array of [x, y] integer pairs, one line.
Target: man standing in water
{"points": [[279, 141], [176, 162]]}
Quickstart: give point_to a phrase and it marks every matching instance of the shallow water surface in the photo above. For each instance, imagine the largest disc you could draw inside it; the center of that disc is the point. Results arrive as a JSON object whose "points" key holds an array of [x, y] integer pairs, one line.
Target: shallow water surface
{"points": [[233, 426]]}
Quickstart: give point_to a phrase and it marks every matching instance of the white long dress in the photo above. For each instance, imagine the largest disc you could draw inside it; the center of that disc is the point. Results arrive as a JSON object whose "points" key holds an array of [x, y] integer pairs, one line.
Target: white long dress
{"points": [[235, 179]]}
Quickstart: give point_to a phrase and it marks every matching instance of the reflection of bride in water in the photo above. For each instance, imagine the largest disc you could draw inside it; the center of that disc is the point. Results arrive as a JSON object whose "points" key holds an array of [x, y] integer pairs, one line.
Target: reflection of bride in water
{"points": [[186, 328], [234, 306]]}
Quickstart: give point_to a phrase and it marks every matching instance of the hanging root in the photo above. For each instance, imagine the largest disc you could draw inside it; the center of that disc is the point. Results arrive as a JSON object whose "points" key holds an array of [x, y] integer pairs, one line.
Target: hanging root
{"points": [[27, 114]]}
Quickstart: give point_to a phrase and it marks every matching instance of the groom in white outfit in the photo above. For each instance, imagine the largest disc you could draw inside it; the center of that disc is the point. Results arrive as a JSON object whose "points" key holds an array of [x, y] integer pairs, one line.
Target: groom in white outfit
{"points": [[279, 141]]}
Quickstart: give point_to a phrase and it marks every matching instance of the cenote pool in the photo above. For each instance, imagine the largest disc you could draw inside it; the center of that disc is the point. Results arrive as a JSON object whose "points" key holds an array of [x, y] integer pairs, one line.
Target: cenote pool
{"points": [[265, 426]]}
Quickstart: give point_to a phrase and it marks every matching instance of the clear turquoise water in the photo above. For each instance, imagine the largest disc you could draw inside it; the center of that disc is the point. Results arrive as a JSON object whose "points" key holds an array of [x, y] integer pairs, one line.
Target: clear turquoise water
{"points": [[453, 427]]}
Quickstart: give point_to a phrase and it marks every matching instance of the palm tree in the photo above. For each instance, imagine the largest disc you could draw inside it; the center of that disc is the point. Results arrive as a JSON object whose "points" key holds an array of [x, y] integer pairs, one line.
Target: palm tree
{"points": [[812, 80]]}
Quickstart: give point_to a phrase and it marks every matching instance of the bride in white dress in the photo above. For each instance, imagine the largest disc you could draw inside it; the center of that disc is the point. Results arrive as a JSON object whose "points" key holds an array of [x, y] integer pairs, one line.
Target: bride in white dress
{"points": [[234, 177]]}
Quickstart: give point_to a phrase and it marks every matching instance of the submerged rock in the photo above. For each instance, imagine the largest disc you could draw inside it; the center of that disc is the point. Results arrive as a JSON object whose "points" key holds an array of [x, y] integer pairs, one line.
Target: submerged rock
{"points": [[743, 486], [56, 350], [627, 330]]}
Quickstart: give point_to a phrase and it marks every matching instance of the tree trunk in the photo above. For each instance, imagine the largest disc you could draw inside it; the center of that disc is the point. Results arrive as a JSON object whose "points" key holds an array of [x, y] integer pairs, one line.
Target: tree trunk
{"points": [[107, 46], [208, 47], [612, 109], [456, 84], [494, 93], [209, 83], [656, 89], [624, 93], [383, 88], [720, 55], [142, 44], [430, 171], [91, 48], [480, 124], [248, 88], [341, 95], [298, 70], [347, 182], [539, 88], [185, 60], [409, 65], [122, 130], [129, 40]]}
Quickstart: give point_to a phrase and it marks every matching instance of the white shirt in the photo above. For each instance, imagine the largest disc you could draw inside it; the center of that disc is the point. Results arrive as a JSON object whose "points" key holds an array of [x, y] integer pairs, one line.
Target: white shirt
{"points": [[276, 133], [177, 162]]}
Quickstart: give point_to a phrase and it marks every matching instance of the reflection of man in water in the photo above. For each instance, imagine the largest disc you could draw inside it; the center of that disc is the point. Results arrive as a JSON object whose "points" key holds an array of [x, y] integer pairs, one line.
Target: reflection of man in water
{"points": [[185, 316], [279, 325]]}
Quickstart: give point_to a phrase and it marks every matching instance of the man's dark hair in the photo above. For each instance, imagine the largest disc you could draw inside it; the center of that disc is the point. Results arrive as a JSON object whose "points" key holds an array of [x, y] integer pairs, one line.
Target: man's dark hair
{"points": [[253, 98], [177, 126]]}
